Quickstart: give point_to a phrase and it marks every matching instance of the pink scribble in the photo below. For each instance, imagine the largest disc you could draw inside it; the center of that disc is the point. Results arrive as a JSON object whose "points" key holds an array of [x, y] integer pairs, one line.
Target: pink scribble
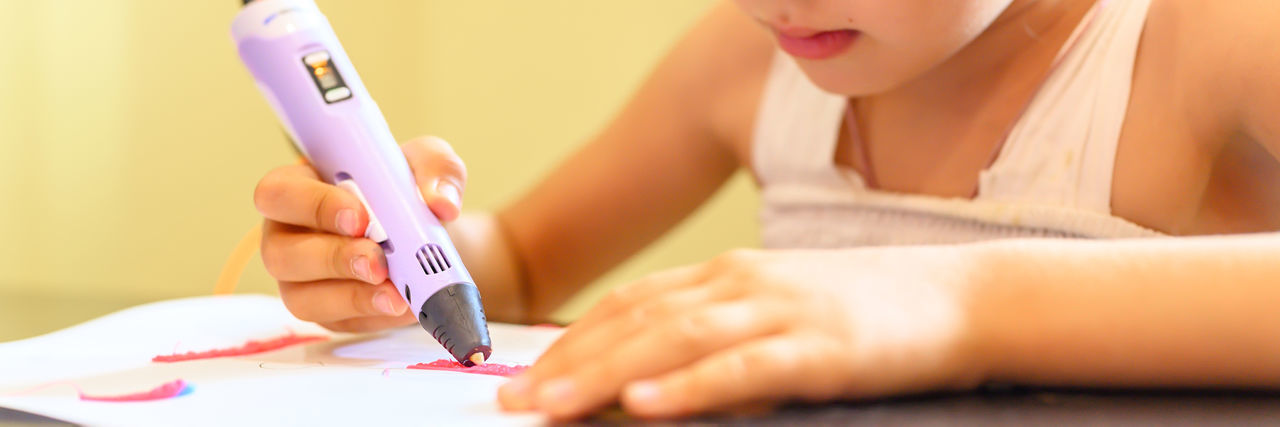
{"points": [[485, 369], [167, 390], [251, 347]]}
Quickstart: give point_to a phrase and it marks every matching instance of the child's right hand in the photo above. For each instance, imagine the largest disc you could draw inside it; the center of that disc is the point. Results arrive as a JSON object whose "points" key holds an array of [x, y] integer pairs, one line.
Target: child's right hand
{"points": [[313, 240]]}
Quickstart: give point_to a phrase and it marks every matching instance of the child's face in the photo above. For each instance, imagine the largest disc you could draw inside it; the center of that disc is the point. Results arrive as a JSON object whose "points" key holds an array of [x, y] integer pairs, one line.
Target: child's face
{"points": [[863, 47]]}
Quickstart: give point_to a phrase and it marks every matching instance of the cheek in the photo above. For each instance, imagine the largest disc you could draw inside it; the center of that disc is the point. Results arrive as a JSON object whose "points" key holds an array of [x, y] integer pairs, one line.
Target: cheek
{"points": [[760, 10]]}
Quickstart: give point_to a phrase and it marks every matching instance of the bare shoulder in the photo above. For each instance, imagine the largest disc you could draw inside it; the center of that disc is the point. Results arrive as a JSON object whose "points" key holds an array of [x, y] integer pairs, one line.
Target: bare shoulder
{"points": [[1203, 115], [1222, 53], [728, 56], [1239, 27]]}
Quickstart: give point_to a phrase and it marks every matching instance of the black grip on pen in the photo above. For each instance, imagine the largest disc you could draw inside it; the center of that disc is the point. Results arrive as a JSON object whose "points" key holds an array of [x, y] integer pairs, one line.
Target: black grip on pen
{"points": [[455, 318]]}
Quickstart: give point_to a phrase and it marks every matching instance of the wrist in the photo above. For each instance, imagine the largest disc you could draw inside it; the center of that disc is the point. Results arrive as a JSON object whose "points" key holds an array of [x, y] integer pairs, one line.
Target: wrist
{"points": [[985, 307], [1007, 299], [494, 266]]}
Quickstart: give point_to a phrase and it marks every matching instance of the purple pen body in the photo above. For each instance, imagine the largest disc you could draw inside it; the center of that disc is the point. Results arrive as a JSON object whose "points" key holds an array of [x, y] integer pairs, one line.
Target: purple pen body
{"points": [[302, 70]]}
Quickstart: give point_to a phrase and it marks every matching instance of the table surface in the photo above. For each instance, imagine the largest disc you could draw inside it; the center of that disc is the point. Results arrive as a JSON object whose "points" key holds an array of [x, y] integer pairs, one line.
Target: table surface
{"points": [[1025, 407], [1022, 408], [24, 316], [991, 408]]}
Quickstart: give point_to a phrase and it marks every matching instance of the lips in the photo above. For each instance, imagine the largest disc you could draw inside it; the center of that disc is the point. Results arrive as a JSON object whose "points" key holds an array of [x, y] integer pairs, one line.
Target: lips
{"points": [[813, 44]]}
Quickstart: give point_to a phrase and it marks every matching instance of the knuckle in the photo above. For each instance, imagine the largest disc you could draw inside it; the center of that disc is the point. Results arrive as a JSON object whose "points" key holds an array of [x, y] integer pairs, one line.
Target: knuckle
{"points": [[729, 289], [663, 308], [364, 247], [694, 331], [357, 304], [322, 200], [619, 296], [340, 254], [639, 315], [738, 267]]}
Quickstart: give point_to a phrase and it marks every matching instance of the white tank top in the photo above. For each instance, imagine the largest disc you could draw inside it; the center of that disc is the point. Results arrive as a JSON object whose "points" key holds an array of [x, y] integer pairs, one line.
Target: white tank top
{"points": [[1052, 177]]}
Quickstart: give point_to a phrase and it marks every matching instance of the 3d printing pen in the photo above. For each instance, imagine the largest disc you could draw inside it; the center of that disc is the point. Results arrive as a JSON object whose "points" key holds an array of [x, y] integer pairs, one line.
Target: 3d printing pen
{"points": [[307, 78]]}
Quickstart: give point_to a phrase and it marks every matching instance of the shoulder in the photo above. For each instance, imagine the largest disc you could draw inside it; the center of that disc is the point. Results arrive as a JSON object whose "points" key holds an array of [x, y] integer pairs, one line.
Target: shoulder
{"points": [[1241, 30], [1205, 101], [1220, 55]]}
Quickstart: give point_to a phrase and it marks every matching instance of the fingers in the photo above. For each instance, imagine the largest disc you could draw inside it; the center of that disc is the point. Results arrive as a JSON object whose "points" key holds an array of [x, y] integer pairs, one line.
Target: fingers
{"points": [[600, 377], [440, 173], [628, 296], [772, 369], [295, 195], [600, 328], [591, 340], [293, 254], [329, 301], [371, 323], [582, 342]]}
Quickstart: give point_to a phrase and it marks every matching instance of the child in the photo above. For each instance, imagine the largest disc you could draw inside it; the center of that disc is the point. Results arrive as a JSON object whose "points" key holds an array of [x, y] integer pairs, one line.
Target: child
{"points": [[920, 163]]}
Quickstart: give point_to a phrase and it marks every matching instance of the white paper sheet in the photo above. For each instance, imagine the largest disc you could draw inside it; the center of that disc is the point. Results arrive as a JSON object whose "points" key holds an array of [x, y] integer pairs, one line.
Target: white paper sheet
{"points": [[349, 379]]}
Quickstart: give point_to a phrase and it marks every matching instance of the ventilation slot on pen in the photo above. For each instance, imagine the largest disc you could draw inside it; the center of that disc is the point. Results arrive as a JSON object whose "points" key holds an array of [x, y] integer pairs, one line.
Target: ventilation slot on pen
{"points": [[433, 259]]}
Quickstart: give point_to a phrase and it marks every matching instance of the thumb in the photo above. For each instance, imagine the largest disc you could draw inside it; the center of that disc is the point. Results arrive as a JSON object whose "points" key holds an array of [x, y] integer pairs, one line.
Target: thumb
{"points": [[440, 173]]}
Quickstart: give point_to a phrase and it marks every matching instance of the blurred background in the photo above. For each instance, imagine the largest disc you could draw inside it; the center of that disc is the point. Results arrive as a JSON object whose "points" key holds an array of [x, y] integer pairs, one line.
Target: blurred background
{"points": [[131, 137]]}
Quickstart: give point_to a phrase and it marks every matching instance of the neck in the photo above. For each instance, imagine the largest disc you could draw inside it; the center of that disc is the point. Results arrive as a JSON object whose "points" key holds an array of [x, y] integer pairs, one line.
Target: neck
{"points": [[1020, 44]]}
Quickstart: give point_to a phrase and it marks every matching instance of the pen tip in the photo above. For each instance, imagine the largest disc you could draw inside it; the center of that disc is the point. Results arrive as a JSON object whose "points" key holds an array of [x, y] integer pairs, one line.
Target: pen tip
{"points": [[477, 358]]}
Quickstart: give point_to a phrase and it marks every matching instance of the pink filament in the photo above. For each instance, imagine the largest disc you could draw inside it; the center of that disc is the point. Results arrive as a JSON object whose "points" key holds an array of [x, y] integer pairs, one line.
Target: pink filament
{"points": [[167, 390], [251, 347], [485, 369]]}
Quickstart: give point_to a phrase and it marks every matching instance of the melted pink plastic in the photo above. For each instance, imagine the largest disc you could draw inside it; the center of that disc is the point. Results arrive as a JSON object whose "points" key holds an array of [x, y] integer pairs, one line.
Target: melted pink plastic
{"points": [[485, 369], [251, 347], [167, 390]]}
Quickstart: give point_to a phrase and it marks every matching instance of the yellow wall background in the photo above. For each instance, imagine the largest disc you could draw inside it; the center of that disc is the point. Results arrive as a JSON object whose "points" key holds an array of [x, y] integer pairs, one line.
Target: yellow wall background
{"points": [[131, 138]]}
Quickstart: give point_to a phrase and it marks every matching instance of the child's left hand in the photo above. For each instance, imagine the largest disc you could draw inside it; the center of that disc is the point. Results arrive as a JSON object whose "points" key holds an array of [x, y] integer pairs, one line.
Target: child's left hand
{"points": [[762, 327]]}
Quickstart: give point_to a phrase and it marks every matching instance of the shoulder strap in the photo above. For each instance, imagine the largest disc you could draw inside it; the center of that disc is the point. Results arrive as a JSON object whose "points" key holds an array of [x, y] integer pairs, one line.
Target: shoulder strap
{"points": [[796, 129]]}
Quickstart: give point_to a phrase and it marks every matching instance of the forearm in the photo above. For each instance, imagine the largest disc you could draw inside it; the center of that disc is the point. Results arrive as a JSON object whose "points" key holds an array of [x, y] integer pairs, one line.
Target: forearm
{"points": [[1151, 313]]}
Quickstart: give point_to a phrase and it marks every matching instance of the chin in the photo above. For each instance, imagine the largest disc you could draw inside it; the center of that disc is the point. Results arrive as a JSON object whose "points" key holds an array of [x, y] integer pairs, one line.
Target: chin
{"points": [[849, 78]]}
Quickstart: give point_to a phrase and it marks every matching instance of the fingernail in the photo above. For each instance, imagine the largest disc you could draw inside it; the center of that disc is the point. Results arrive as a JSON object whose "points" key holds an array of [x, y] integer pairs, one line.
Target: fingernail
{"points": [[450, 192], [360, 266], [347, 222], [516, 393], [384, 303], [555, 393], [642, 393], [518, 386]]}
